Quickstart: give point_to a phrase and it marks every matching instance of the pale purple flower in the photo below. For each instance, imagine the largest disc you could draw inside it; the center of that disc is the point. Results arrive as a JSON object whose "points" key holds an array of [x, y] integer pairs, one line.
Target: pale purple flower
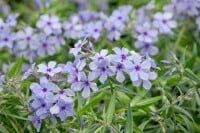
{"points": [[191, 7], [64, 94], [28, 72], [176, 6], [40, 107], [24, 38], [164, 22], [93, 29], [121, 55], [146, 33], [73, 28], [87, 83], [37, 122], [49, 69], [59, 39], [75, 67], [103, 71], [119, 69], [40, 3], [121, 15], [65, 109], [98, 58], [44, 44], [114, 29], [198, 23], [44, 89], [48, 23], [146, 48], [87, 15], [3, 26], [146, 83], [11, 20], [7, 39], [77, 47], [144, 13], [139, 71], [2, 80]]}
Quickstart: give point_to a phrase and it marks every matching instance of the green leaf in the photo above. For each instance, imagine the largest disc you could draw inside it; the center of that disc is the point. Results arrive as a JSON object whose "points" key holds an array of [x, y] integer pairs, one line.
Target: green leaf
{"points": [[196, 127], [3, 129], [137, 98], [190, 74], [143, 124], [187, 122], [183, 111], [148, 101], [173, 80], [95, 100], [124, 89], [129, 121], [111, 108], [123, 97], [16, 69]]}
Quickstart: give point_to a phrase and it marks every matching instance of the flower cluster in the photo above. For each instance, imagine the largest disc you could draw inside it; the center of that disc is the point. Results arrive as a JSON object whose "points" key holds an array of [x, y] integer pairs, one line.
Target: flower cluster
{"points": [[7, 36], [48, 100], [48, 35], [149, 26], [92, 24], [88, 67]]}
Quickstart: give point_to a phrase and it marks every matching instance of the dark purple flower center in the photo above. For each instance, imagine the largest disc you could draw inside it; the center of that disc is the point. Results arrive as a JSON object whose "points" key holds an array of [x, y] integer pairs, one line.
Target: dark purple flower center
{"points": [[103, 69], [119, 66], [164, 21], [58, 36], [63, 108], [1, 27], [48, 23], [43, 105], [5, 39], [119, 17], [123, 56], [86, 83], [76, 70], [38, 121], [96, 30], [44, 89], [61, 91], [137, 68], [145, 33], [76, 79], [44, 45], [28, 38], [189, 8], [100, 58], [49, 69], [147, 46], [113, 28]]}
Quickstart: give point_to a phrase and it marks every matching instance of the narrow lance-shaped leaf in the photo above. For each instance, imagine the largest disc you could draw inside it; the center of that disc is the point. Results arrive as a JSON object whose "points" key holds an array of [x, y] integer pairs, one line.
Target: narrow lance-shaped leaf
{"points": [[147, 102], [129, 121], [188, 73], [16, 69], [92, 103], [111, 108]]}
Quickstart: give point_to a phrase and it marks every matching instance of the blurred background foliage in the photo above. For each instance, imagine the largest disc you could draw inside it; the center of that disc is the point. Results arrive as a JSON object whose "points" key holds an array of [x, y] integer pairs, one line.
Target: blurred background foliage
{"points": [[171, 105]]}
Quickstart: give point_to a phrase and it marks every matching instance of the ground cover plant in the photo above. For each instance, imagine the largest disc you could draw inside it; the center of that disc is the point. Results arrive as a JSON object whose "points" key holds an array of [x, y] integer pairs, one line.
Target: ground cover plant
{"points": [[104, 66]]}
